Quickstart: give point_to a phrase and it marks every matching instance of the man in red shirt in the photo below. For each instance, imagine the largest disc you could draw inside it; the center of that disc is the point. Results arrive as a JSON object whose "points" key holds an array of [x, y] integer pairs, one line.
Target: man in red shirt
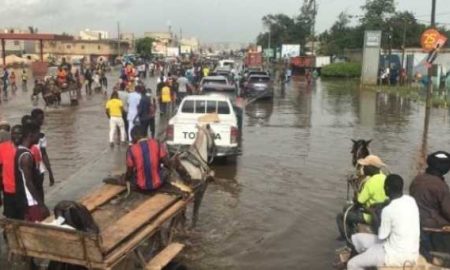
{"points": [[11, 209], [144, 159]]}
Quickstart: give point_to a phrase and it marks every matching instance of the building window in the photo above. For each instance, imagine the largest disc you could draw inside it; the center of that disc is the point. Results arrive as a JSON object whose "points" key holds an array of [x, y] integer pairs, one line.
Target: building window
{"points": [[82, 47], [68, 47], [16, 43], [99, 47]]}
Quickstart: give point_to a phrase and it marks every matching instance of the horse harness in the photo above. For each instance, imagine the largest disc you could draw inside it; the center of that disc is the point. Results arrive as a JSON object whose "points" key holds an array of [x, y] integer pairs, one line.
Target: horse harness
{"points": [[196, 159]]}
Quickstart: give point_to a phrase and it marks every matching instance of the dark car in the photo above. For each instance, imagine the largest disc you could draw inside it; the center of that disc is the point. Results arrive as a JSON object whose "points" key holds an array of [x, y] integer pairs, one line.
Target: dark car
{"points": [[258, 86], [224, 71], [216, 84], [249, 72]]}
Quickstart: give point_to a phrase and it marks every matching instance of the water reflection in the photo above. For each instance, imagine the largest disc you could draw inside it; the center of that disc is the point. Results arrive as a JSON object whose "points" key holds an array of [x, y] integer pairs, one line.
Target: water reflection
{"points": [[259, 112]]}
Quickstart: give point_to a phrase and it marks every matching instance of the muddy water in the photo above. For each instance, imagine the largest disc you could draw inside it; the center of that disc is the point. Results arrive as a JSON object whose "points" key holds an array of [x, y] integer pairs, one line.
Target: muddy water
{"points": [[273, 207]]}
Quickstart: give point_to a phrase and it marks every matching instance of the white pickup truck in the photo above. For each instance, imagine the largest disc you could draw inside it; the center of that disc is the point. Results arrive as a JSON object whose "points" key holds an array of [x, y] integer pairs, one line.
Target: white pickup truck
{"points": [[181, 130]]}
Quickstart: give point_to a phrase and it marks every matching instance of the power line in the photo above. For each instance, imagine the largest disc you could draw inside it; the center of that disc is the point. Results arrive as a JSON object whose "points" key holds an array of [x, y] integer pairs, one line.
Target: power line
{"points": [[440, 13], [441, 23]]}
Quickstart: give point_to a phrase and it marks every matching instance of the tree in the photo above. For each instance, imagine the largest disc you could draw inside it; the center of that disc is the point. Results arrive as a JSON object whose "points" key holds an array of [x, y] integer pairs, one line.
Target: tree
{"points": [[144, 46], [280, 26], [341, 36], [404, 25], [376, 14]]}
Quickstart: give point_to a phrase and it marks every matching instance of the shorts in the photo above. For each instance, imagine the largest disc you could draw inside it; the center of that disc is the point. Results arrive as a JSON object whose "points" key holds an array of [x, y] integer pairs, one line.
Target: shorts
{"points": [[12, 207]]}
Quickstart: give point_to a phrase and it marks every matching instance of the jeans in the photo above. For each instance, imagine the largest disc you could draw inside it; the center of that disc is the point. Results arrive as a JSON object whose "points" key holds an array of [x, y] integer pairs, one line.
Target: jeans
{"points": [[371, 252], [125, 121], [165, 107], [152, 127], [5, 89], [146, 123], [114, 123]]}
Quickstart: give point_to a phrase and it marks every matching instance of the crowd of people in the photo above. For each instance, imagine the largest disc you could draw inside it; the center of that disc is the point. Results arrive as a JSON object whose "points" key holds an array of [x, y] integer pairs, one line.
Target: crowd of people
{"points": [[24, 162], [403, 226], [9, 81], [131, 103]]}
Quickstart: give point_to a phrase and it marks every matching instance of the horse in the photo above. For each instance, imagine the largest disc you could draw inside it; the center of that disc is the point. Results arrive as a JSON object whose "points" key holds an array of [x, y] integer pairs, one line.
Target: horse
{"points": [[192, 166], [360, 149], [49, 90]]}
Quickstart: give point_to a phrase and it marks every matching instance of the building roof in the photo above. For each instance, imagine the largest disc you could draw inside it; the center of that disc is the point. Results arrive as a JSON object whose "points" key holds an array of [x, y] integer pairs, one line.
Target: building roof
{"points": [[96, 41], [14, 36]]}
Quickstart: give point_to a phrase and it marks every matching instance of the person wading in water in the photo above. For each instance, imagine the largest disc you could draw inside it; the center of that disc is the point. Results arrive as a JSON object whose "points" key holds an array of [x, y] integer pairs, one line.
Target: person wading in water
{"points": [[38, 117]]}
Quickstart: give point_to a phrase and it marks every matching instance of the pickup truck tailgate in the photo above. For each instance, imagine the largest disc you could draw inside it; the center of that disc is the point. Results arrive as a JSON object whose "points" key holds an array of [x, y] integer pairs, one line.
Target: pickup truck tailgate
{"points": [[185, 133]]}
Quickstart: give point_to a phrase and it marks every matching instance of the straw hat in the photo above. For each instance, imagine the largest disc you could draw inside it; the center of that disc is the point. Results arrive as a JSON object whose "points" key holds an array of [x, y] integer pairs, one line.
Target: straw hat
{"points": [[371, 160]]}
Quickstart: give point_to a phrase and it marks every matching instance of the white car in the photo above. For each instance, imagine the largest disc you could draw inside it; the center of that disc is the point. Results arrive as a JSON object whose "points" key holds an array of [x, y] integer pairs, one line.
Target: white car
{"points": [[227, 63], [182, 130]]}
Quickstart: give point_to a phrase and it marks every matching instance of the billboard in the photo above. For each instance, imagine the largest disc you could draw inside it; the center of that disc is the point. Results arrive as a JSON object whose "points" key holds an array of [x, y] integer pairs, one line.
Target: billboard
{"points": [[173, 51], [159, 48], [185, 49], [290, 50], [268, 53]]}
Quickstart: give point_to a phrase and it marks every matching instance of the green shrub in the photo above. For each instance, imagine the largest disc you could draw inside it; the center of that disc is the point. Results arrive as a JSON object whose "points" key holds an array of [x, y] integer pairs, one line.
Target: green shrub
{"points": [[342, 70]]}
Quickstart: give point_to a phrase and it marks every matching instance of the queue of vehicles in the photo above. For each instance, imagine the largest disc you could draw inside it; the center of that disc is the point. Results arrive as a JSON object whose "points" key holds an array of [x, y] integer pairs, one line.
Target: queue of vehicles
{"points": [[218, 93]]}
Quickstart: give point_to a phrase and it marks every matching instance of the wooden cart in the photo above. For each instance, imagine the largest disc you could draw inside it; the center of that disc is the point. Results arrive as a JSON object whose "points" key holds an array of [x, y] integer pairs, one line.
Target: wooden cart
{"points": [[139, 228]]}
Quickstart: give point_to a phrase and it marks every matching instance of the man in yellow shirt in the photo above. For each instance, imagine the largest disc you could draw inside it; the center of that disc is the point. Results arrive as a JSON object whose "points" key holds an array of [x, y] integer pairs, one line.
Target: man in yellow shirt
{"points": [[114, 111], [205, 71], [370, 194], [166, 98]]}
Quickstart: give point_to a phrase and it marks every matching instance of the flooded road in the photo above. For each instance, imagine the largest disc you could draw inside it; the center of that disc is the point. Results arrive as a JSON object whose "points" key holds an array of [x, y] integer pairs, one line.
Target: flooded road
{"points": [[273, 207]]}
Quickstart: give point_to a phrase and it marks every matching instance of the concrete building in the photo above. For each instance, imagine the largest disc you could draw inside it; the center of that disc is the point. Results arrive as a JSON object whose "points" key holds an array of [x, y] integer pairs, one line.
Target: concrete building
{"points": [[163, 40], [162, 37], [18, 47], [128, 37], [90, 49], [88, 34], [190, 44]]}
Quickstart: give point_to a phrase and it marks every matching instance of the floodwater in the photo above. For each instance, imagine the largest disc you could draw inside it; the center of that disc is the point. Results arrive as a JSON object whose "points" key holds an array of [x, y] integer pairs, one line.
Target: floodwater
{"points": [[273, 207]]}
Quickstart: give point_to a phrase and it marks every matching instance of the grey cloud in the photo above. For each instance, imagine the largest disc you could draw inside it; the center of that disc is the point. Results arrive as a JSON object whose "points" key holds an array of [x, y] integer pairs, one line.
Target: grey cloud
{"points": [[210, 20]]}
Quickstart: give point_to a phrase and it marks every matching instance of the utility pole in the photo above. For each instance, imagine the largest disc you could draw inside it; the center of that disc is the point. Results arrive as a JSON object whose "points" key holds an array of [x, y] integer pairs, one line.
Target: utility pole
{"points": [[179, 41], [430, 69], [404, 44], [313, 30], [118, 39], [429, 90]]}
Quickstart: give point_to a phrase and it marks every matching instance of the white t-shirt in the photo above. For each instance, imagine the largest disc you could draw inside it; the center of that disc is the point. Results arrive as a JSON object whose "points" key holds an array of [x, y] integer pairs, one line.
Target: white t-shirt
{"points": [[133, 102], [182, 84], [141, 68], [400, 230]]}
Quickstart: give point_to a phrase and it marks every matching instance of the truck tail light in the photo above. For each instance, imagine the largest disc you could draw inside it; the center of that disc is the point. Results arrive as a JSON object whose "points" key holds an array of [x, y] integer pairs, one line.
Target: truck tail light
{"points": [[169, 133], [234, 135]]}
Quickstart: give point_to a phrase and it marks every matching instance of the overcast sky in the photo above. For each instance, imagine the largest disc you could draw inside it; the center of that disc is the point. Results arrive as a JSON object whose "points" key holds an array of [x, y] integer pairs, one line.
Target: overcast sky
{"points": [[209, 20]]}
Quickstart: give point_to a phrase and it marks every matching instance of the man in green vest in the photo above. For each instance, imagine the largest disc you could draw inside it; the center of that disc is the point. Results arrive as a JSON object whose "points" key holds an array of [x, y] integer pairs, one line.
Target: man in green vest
{"points": [[371, 193]]}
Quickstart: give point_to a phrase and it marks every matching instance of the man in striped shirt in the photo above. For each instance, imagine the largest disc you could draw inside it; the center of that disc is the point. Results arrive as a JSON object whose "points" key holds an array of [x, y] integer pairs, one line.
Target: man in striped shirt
{"points": [[144, 160]]}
